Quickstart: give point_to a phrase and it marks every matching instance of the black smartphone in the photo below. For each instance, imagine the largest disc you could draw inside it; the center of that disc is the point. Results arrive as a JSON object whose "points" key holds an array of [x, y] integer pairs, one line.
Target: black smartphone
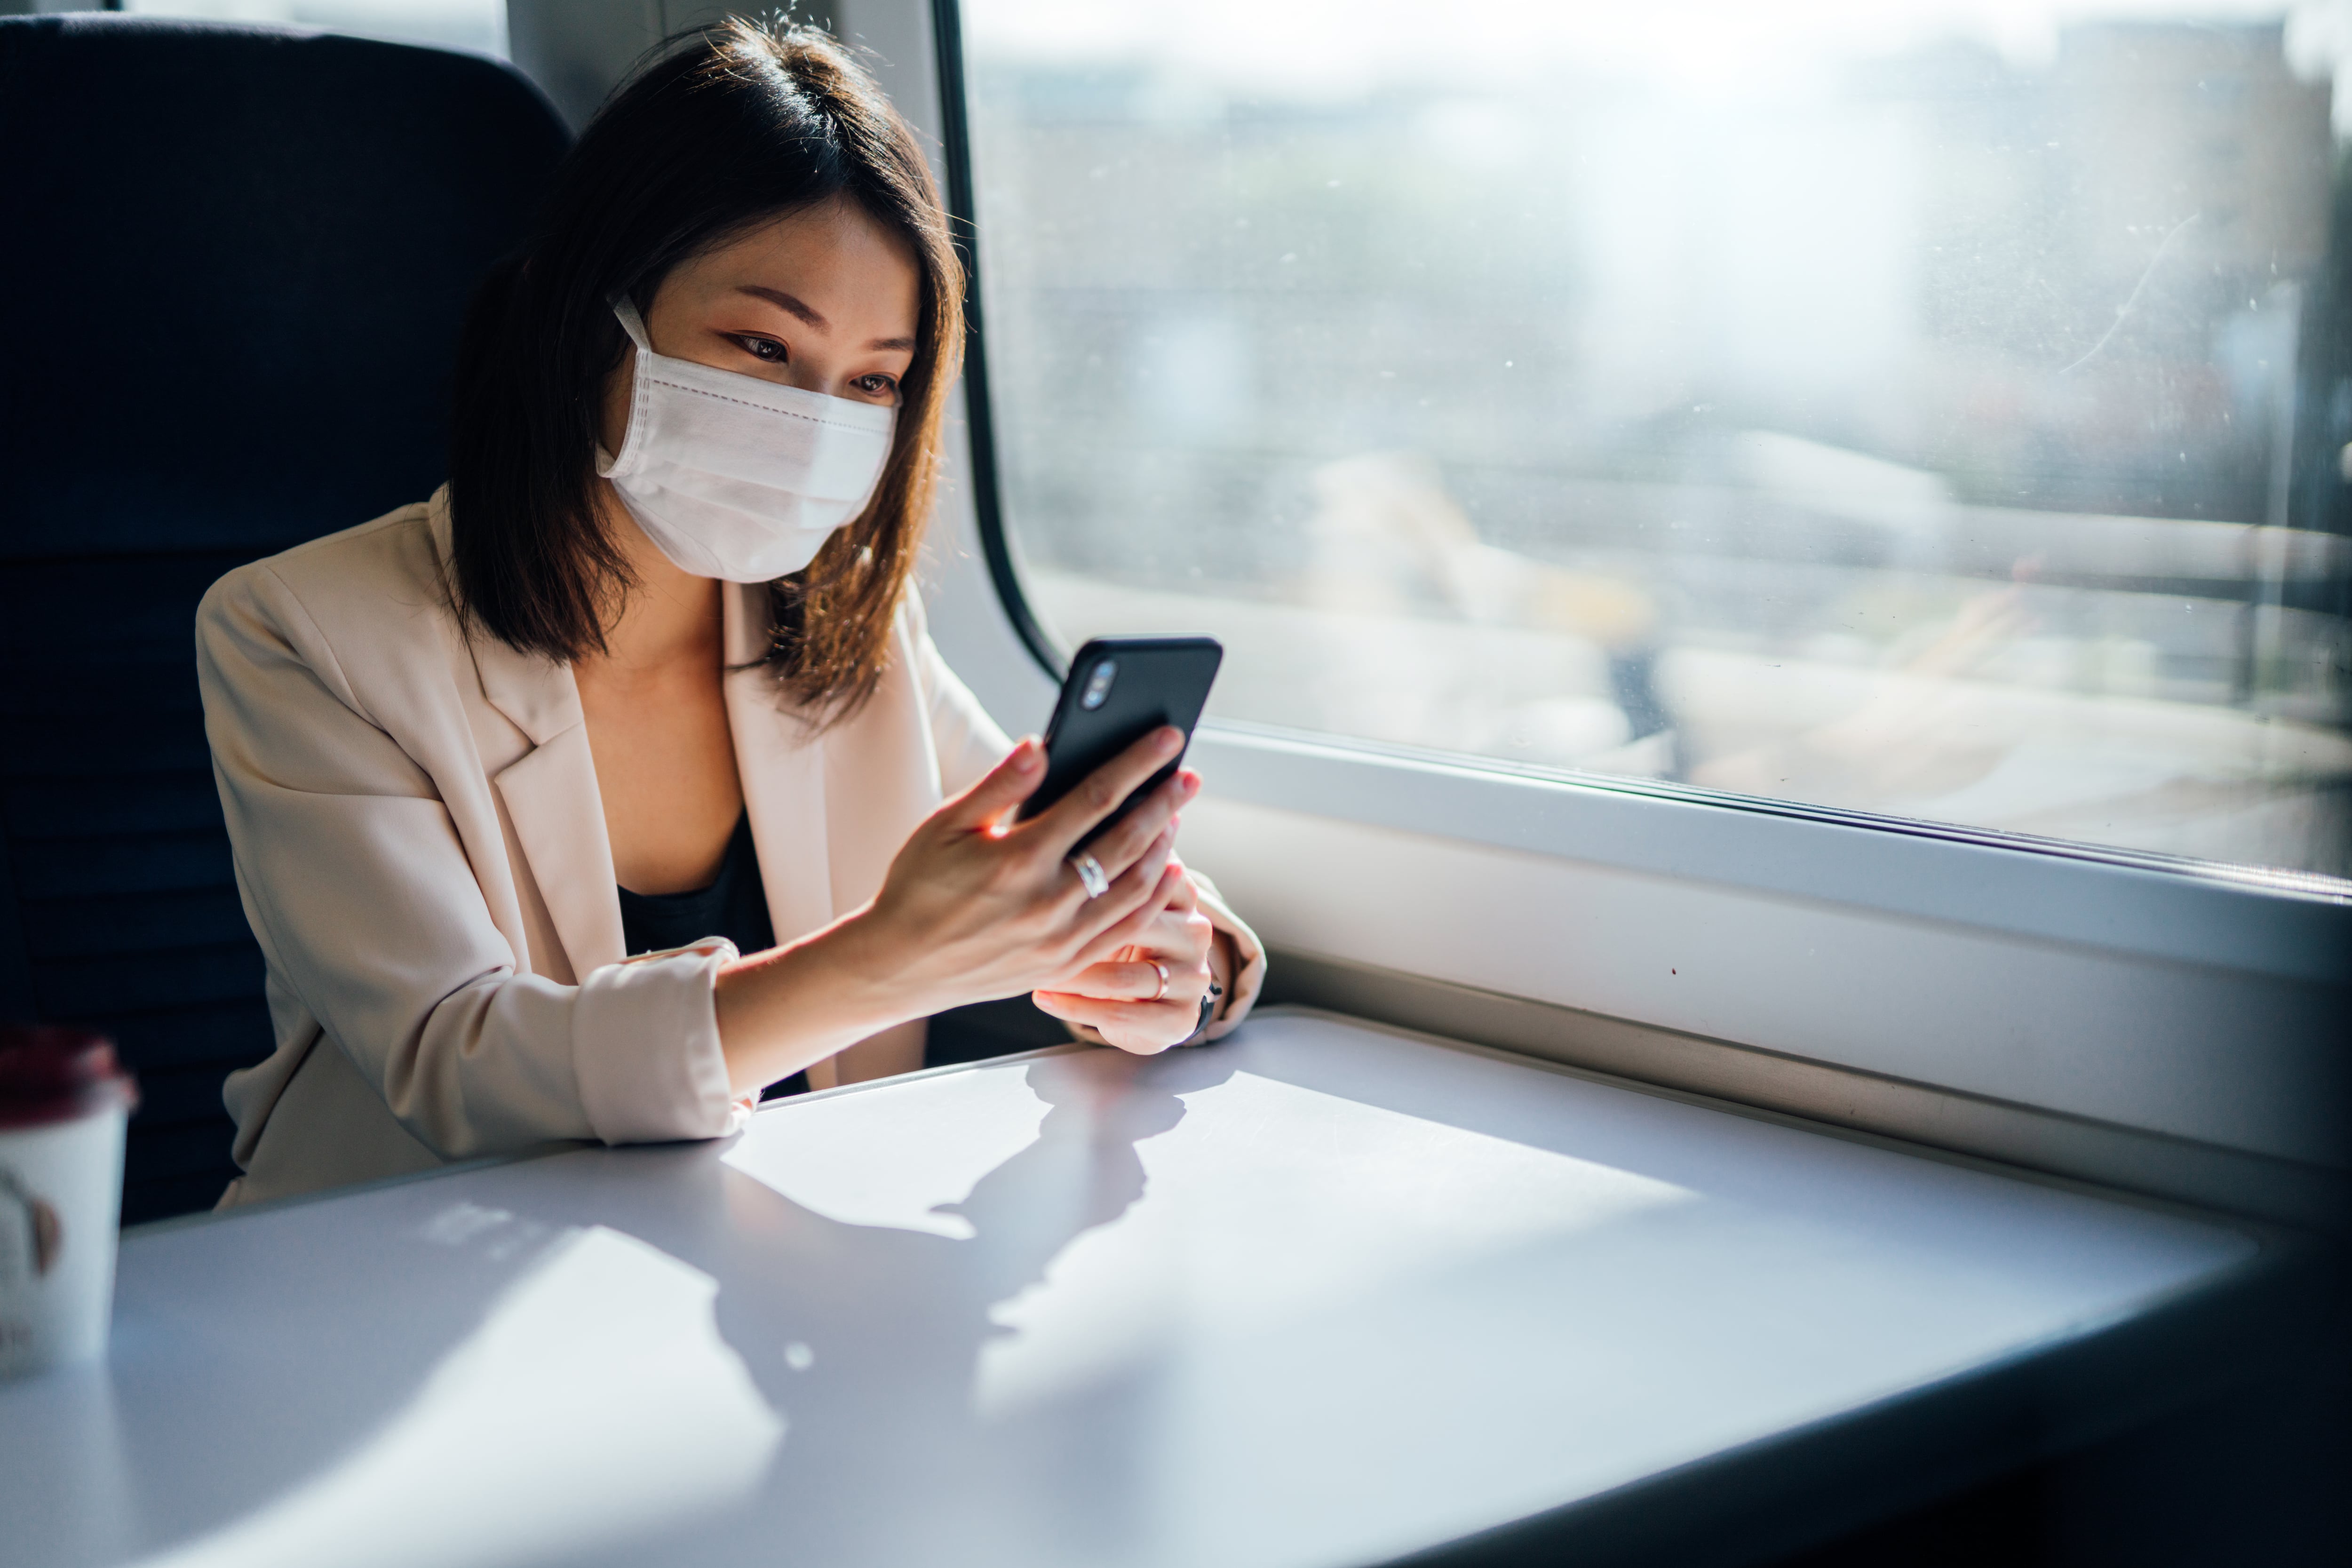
{"points": [[1119, 690]]}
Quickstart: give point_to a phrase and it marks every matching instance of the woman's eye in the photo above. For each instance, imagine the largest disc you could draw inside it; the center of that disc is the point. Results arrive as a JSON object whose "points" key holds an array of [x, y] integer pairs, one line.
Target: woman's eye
{"points": [[764, 348], [876, 385]]}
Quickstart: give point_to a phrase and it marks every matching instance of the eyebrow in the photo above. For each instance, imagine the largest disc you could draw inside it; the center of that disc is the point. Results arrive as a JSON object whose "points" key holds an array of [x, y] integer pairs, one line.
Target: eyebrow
{"points": [[778, 297]]}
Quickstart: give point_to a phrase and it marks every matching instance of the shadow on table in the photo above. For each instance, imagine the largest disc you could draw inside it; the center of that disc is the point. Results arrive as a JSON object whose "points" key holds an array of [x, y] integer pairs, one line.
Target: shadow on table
{"points": [[479, 1369], [867, 1338], [191, 1424]]}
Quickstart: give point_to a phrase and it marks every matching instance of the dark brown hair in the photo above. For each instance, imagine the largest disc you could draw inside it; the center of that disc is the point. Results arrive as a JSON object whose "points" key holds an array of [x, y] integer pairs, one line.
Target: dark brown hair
{"points": [[730, 127]]}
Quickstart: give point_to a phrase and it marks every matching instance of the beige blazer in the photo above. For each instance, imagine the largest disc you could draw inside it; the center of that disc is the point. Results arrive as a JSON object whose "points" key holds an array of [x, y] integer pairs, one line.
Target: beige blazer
{"points": [[420, 848]]}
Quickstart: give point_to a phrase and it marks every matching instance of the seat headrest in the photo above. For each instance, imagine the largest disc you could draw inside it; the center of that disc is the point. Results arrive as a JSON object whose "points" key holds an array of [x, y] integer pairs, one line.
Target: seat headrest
{"points": [[240, 257]]}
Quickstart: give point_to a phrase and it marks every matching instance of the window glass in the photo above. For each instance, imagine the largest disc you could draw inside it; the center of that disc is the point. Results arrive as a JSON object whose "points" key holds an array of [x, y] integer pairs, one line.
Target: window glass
{"points": [[1941, 408], [477, 24]]}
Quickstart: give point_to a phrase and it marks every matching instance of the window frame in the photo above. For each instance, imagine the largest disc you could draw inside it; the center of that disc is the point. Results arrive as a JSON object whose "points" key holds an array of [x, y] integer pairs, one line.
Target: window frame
{"points": [[979, 405], [2201, 1002], [2265, 920]]}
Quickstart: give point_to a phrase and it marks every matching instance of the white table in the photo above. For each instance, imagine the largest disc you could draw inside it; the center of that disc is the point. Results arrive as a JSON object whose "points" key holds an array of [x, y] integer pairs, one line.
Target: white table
{"points": [[1321, 1294]]}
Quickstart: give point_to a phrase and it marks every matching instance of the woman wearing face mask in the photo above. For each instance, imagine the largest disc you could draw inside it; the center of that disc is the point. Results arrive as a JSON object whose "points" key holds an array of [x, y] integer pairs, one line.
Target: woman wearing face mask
{"points": [[621, 781]]}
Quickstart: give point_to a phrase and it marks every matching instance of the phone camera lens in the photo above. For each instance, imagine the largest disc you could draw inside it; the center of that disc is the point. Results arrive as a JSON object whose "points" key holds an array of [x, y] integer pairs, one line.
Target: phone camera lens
{"points": [[1098, 689]]}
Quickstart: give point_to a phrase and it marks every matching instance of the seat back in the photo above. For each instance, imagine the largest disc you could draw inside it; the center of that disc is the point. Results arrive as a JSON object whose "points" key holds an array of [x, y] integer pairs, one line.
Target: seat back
{"points": [[237, 261]]}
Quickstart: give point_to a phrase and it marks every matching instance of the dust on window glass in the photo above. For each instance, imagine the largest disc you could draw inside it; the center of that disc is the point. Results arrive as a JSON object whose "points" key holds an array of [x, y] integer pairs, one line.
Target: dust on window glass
{"points": [[1939, 409]]}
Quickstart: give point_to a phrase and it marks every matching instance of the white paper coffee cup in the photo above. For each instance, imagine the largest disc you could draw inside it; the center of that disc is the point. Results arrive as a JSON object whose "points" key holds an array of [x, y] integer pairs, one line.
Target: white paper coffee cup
{"points": [[63, 1106]]}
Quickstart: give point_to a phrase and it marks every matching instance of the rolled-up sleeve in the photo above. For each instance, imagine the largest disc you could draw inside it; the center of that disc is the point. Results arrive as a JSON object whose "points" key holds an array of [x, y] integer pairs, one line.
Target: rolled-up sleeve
{"points": [[632, 1094], [363, 890]]}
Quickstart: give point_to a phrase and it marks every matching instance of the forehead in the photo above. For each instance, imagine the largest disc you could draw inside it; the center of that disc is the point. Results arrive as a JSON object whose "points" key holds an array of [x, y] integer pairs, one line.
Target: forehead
{"points": [[835, 254]]}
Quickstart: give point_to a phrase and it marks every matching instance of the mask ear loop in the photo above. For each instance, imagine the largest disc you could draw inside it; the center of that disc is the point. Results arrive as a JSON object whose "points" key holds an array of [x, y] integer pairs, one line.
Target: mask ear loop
{"points": [[624, 310]]}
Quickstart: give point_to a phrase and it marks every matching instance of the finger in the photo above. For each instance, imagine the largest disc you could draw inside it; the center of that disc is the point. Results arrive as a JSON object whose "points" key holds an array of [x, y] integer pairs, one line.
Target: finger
{"points": [[1074, 816], [1153, 818], [1129, 929], [1187, 899], [1161, 1024], [1004, 786], [1167, 936], [1115, 926], [1124, 982], [1182, 940], [1090, 913], [1158, 940], [1198, 929], [1134, 892]]}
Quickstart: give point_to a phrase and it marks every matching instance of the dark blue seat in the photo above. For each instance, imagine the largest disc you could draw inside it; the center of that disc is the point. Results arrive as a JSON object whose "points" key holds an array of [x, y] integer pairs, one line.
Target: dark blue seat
{"points": [[230, 292]]}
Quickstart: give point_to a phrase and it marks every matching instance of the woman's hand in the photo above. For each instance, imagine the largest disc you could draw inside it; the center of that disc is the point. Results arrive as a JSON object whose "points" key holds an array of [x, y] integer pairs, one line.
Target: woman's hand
{"points": [[974, 907], [977, 906], [1126, 1000]]}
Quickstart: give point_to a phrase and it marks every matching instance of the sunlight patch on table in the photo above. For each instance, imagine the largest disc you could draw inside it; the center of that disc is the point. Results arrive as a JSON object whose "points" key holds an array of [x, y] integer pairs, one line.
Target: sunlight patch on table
{"points": [[1391, 1196], [597, 1400]]}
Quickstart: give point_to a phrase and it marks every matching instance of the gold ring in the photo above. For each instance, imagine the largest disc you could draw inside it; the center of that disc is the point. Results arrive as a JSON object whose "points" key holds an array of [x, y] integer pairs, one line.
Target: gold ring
{"points": [[1163, 992]]}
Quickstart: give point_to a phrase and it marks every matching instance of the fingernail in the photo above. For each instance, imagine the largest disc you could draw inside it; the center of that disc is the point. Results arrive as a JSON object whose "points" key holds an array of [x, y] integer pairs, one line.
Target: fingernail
{"points": [[1025, 755], [1168, 740]]}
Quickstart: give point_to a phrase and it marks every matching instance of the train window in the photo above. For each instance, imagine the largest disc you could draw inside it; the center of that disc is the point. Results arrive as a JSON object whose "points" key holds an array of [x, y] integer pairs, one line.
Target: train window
{"points": [[1936, 410], [477, 24]]}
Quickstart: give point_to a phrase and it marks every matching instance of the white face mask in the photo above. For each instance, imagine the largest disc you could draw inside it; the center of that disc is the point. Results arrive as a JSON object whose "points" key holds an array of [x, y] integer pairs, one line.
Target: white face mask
{"points": [[738, 477]]}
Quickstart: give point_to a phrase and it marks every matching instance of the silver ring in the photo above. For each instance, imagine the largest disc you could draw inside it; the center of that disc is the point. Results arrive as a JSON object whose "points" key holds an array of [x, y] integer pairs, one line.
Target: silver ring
{"points": [[1090, 873], [1163, 992]]}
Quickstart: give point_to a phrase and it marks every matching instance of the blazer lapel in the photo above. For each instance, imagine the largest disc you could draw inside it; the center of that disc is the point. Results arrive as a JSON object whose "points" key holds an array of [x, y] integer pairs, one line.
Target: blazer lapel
{"points": [[552, 798], [883, 769], [782, 767], [559, 819]]}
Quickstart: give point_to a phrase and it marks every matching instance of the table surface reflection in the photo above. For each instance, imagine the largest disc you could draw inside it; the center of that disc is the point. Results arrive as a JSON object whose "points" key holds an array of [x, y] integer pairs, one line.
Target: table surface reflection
{"points": [[1319, 1294]]}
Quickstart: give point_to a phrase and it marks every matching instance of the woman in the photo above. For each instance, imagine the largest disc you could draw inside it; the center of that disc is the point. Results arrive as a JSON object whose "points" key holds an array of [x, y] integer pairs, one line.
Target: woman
{"points": [[621, 780]]}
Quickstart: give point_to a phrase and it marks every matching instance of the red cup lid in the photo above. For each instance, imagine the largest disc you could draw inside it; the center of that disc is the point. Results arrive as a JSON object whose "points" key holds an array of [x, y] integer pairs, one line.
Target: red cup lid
{"points": [[52, 1072]]}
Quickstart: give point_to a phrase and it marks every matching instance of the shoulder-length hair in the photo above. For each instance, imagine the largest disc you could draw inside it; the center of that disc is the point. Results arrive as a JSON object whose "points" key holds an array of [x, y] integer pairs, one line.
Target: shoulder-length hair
{"points": [[733, 126]]}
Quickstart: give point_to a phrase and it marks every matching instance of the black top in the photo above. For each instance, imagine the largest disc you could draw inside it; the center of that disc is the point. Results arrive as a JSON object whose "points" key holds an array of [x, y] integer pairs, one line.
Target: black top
{"points": [[735, 906]]}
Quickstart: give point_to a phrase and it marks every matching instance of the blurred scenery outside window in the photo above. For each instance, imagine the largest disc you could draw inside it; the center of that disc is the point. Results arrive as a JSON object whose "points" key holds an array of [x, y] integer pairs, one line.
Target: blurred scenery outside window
{"points": [[477, 24], [1937, 408]]}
